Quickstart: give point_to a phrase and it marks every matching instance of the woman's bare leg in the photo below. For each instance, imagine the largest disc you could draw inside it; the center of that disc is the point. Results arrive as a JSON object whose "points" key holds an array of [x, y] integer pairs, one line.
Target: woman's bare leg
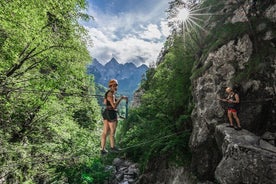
{"points": [[237, 119], [229, 113], [112, 126], [104, 134]]}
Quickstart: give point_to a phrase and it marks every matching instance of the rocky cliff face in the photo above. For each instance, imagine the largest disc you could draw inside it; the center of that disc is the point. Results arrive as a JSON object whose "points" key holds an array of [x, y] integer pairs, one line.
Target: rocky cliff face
{"points": [[247, 62]]}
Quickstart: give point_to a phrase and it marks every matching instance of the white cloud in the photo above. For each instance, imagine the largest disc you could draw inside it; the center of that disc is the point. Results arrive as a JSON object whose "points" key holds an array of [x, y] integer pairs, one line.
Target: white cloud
{"points": [[152, 32], [165, 28], [128, 36], [127, 49]]}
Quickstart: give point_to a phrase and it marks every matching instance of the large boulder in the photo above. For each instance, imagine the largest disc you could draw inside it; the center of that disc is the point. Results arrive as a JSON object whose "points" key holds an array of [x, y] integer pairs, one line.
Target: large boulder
{"points": [[246, 158]]}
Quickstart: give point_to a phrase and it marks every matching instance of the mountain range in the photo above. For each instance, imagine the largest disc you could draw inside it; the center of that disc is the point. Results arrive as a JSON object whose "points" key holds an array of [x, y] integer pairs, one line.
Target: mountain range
{"points": [[128, 75]]}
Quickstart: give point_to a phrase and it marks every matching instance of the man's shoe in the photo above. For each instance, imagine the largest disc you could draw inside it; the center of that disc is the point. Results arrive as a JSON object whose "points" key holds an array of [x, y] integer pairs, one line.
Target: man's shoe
{"points": [[104, 151], [115, 150]]}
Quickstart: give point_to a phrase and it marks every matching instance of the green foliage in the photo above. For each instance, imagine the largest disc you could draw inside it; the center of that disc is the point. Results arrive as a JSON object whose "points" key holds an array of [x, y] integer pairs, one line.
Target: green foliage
{"points": [[48, 119], [146, 81], [213, 5], [157, 127], [225, 33], [93, 171]]}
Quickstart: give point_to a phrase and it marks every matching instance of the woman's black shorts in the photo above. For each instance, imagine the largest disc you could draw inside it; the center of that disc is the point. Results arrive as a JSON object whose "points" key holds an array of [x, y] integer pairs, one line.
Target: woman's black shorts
{"points": [[110, 115]]}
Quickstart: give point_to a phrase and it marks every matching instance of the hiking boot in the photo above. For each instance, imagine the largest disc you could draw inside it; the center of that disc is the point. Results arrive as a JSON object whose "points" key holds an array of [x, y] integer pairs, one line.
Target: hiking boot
{"points": [[104, 151], [115, 150]]}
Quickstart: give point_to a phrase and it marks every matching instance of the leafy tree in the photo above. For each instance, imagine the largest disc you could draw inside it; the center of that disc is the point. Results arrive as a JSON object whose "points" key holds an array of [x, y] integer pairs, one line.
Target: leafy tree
{"points": [[159, 125], [48, 115]]}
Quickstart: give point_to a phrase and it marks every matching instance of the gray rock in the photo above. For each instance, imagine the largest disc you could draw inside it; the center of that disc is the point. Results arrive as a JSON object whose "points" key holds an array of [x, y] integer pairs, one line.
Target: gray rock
{"points": [[125, 172], [246, 158], [257, 110]]}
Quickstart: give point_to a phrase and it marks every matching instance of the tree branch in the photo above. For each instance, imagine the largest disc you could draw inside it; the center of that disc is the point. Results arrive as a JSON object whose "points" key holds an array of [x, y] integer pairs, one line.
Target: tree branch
{"points": [[18, 66], [29, 56], [31, 67]]}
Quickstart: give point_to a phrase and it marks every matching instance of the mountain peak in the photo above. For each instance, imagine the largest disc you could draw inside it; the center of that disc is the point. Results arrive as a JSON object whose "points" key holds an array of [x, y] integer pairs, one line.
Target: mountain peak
{"points": [[143, 66], [113, 63], [130, 65], [128, 75], [113, 60], [95, 62]]}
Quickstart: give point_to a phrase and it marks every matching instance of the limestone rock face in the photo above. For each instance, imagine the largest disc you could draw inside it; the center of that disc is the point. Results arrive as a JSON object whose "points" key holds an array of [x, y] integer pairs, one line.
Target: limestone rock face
{"points": [[271, 13], [232, 65], [246, 157], [209, 111], [221, 154]]}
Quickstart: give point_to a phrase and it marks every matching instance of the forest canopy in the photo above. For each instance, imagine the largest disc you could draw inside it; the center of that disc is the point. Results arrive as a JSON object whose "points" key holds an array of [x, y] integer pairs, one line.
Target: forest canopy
{"points": [[48, 113]]}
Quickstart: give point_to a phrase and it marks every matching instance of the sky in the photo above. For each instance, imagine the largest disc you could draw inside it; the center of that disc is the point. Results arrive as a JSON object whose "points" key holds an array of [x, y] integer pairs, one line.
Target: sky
{"points": [[128, 30]]}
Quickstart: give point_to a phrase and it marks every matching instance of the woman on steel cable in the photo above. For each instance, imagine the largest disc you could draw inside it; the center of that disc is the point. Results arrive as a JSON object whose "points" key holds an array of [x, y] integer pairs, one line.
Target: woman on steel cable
{"points": [[110, 117]]}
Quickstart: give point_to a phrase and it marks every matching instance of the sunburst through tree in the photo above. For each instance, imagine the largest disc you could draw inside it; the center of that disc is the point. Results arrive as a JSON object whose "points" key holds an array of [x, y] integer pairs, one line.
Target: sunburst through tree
{"points": [[186, 15]]}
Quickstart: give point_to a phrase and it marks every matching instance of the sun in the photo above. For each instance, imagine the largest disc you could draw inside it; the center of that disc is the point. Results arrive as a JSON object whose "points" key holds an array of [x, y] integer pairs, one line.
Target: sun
{"points": [[188, 17], [183, 15]]}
